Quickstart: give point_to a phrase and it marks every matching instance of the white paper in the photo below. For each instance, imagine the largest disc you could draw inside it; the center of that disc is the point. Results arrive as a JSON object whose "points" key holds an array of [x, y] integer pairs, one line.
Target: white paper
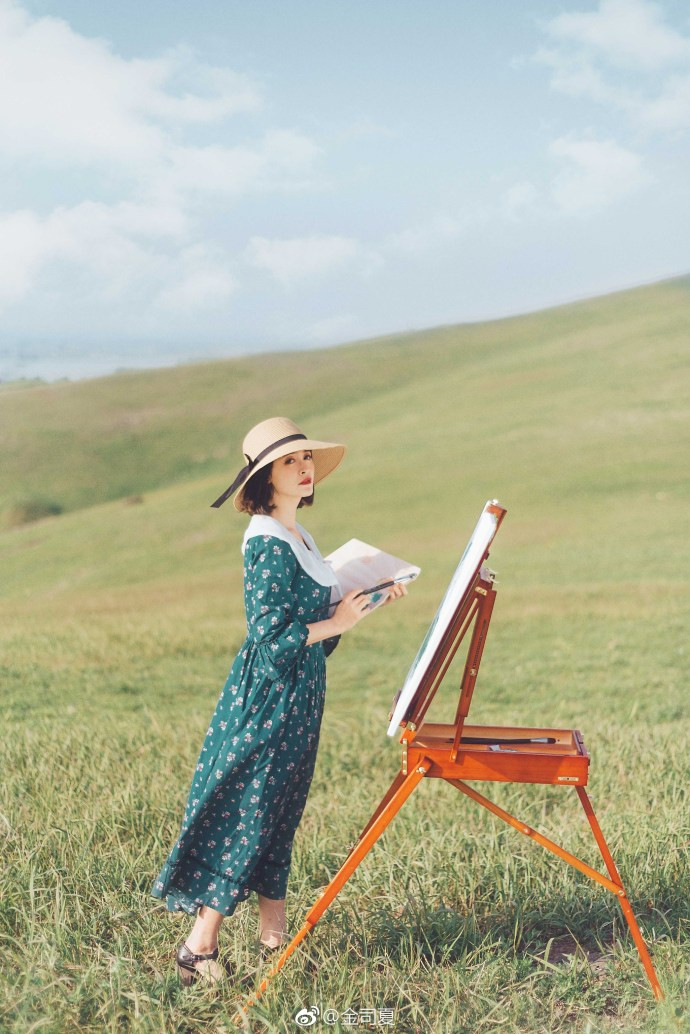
{"points": [[358, 565]]}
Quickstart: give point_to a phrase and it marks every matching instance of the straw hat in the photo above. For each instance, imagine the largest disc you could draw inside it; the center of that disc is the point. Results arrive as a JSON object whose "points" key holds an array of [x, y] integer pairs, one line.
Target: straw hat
{"points": [[272, 439]]}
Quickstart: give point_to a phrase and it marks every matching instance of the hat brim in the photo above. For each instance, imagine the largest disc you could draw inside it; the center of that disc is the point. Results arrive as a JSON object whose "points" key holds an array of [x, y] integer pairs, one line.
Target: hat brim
{"points": [[327, 457]]}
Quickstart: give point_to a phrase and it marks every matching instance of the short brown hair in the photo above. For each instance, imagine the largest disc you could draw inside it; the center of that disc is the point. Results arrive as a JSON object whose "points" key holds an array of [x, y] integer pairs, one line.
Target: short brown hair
{"points": [[257, 494]]}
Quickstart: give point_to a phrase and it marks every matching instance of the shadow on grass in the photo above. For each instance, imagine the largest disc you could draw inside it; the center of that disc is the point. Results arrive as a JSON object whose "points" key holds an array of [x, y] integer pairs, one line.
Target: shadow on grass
{"points": [[583, 927]]}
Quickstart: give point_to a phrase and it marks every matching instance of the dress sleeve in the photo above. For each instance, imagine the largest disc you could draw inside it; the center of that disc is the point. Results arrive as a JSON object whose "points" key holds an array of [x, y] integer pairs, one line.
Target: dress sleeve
{"points": [[329, 645], [270, 567]]}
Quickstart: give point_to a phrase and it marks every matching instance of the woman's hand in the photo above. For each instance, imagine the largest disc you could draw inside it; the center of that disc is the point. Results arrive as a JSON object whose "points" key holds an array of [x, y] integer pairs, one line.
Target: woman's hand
{"points": [[351, 609], [396, 592]]}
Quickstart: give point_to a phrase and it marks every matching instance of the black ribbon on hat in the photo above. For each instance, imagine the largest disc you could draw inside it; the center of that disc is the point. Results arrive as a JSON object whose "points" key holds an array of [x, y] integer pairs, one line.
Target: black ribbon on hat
{"points": [[246, 472]]}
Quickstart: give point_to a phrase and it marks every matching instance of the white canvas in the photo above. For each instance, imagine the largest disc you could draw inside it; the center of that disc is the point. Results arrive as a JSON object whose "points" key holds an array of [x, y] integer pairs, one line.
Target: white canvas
{"points": [[467, 568]]}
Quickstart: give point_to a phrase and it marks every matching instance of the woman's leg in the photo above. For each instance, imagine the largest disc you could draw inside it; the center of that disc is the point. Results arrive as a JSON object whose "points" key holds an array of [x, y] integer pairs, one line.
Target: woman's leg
{"points": [[273, 871], [204, 936], [272, 926], [272, 922]]}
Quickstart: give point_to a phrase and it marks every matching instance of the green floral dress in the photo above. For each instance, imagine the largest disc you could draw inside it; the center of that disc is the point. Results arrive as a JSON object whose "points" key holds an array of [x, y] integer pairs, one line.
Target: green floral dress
{"points": [[256, 764]]}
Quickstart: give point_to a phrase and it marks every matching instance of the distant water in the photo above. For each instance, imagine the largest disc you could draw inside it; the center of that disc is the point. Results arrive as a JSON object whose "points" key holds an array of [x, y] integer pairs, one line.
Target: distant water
{"points": [[54, 362]]}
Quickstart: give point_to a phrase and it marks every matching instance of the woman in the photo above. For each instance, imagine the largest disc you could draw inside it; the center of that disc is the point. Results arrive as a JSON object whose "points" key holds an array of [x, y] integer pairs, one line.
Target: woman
{"points": [[256, 764]]}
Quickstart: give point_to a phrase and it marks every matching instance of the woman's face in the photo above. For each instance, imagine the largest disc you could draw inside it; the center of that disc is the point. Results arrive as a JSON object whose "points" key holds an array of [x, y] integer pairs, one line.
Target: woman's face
{"points": [[293, 476]]}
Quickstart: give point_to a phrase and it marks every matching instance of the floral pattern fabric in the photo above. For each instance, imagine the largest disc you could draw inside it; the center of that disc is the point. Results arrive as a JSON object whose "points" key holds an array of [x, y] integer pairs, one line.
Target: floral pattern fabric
{"points": [[255, 768]]}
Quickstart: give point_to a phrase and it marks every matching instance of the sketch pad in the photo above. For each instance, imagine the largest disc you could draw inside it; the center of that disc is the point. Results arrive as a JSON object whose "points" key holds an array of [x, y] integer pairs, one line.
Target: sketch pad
{"points": [[358, 565]]}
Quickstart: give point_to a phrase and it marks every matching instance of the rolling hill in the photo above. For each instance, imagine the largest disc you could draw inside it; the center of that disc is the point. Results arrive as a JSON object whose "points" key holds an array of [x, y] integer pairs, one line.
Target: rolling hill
{"points": [[577, 417], [120, 615]]}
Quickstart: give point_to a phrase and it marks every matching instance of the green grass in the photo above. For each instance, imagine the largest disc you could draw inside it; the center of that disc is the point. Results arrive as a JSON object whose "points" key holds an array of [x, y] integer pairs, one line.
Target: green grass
{"points": [[118, 622]]}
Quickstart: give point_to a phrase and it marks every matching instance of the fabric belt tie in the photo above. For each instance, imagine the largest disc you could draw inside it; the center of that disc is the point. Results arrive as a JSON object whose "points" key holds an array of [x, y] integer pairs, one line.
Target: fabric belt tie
{"points": [[246, 472]]}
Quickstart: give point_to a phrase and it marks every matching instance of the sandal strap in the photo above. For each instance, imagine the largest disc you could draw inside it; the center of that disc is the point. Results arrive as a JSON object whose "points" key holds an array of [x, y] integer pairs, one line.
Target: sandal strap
{"points": [[185, 956]]}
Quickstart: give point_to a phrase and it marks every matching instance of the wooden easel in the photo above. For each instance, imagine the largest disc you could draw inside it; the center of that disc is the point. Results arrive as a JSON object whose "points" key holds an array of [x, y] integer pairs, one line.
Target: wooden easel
{"points": [[458, 752]]}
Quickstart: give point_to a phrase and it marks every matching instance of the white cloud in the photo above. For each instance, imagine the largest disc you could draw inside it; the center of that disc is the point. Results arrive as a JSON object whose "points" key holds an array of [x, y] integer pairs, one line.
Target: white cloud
{"points": [[632, 34], [99, 237], [426, 236], [67, 99], [281, 159], [518, 199], [70, 104], [670, 109], [21, 252], [625, 56], [574, 75], [664, 106], [106, 255], [200, 278], [596, 173], [296, 260]]}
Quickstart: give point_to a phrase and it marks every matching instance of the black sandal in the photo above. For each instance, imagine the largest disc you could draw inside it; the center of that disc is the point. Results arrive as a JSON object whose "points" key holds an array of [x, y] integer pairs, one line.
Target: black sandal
{"points": [[186, 964]]}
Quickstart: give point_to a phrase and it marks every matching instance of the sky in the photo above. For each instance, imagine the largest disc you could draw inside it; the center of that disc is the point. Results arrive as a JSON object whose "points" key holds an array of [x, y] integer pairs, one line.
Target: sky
{"points": [[180, 181]]}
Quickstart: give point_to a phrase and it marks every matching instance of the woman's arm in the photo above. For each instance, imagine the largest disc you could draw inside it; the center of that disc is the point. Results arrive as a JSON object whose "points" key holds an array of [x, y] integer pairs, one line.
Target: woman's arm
{"points": [[272, 623], [351, 609]]}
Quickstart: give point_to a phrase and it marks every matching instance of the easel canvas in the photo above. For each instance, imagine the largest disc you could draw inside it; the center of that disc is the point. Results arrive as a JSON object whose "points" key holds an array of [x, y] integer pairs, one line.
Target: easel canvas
{"points": [[459, 752]]}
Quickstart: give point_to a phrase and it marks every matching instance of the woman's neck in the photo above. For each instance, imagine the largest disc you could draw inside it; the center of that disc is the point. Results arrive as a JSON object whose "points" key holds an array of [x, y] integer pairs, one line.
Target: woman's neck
{"points": [[287, 516], [285, 511]]}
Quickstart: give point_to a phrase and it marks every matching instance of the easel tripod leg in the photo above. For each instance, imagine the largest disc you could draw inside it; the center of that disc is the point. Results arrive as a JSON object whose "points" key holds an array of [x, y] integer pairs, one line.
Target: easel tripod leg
{"points": [[622, 897], [393, 800], [390, 792]]}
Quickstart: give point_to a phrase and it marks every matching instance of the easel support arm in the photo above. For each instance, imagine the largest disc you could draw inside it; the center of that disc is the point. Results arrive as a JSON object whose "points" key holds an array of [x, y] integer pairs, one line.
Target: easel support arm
{"points": [[539, 838], [615, 884]]}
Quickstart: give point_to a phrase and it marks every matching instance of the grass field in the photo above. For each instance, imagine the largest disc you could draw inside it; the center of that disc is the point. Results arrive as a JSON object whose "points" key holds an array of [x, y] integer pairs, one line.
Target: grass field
{"points": [[119, 619]]}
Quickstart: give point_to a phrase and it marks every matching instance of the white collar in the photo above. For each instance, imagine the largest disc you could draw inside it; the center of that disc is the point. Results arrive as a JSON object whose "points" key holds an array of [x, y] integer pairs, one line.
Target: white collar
{"points": [[309, 558]]}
